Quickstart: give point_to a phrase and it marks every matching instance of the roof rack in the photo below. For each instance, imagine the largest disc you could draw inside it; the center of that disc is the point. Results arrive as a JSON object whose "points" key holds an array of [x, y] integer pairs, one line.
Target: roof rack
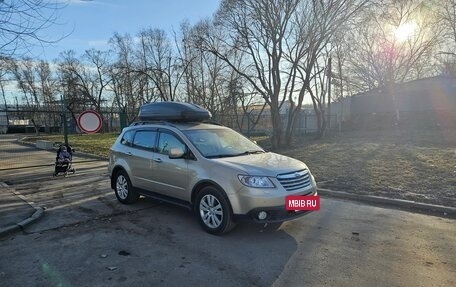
{"points": [[211, 122], [152, 122], [172, 123]]}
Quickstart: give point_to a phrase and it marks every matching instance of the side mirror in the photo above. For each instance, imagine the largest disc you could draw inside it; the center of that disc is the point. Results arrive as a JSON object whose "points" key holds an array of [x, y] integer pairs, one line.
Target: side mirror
{"points": [[176, 152]]}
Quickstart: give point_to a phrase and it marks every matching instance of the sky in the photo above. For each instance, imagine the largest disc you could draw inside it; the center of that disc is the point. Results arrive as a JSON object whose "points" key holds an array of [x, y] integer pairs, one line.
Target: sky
{"points": [[90, 23]]}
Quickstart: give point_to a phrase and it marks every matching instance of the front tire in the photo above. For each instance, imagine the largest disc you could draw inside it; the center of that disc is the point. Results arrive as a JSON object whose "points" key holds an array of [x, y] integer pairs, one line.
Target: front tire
{"points": [[213, 211], [124, 191]]}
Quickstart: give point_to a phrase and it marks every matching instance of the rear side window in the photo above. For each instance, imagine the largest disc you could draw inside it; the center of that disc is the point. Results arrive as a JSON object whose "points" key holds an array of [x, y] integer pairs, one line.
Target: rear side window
{"points": [[168, 141], [127, 138], [145, 139]]}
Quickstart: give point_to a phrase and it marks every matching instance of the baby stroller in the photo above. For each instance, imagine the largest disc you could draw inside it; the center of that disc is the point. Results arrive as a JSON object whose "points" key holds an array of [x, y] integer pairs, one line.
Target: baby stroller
{"points": [[63, 160]]}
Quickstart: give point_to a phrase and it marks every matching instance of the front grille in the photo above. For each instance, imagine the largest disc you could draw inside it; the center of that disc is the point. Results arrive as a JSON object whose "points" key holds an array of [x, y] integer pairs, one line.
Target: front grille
{"points": [[294, 180]]}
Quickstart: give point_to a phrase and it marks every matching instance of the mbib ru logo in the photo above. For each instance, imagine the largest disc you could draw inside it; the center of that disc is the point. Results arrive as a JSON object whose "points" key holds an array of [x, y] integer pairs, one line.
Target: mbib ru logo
{"points": [[297, 202]]}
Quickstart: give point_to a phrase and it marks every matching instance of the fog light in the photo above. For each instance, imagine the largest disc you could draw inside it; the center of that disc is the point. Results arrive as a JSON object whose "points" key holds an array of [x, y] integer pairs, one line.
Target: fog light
{"points": [[262, 215]]}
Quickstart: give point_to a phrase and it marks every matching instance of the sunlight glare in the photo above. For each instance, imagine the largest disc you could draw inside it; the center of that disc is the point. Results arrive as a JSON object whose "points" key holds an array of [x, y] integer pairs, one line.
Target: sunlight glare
{"points": [[405, 31]]}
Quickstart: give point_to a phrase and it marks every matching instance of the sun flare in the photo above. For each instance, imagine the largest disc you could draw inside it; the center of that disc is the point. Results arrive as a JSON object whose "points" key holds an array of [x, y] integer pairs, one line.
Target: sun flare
{"points": [[405, 31]]}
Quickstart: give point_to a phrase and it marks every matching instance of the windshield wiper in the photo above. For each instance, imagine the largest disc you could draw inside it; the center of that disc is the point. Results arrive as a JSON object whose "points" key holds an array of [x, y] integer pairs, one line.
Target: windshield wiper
{"points": [[250, 152], [221, 155], [236, 154]]}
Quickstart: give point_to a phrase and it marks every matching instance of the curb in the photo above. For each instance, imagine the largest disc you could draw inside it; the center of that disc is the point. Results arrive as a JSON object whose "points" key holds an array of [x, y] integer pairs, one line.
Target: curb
{"points": [[438, 210], [39, 212]]}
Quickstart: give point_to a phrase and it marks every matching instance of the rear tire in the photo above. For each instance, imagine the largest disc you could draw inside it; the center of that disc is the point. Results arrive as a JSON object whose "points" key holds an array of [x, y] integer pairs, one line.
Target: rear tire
{"points": [[213, 211], [123, 189]]}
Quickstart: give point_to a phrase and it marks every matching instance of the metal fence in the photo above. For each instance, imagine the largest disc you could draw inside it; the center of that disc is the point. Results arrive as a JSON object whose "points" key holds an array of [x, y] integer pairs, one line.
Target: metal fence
{"points": [[52, 122], [305, 123]]}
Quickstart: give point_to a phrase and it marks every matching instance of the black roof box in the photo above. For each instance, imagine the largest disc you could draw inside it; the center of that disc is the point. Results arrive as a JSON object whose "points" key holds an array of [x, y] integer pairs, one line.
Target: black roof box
{"points": [[173, 111]]}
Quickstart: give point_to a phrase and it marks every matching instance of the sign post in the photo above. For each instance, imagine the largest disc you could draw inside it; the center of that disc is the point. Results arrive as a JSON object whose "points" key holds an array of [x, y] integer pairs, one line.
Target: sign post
{"points": [[64, 118]]}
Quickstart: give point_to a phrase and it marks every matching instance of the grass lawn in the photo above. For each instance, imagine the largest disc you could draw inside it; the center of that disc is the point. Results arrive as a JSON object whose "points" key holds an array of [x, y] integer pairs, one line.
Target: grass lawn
{"points": [[97, 144], [414, 164]]}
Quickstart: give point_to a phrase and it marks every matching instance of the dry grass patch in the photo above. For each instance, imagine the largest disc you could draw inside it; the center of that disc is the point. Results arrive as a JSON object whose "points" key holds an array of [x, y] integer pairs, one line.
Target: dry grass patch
{"points": [[411, 165], [97, 144]]}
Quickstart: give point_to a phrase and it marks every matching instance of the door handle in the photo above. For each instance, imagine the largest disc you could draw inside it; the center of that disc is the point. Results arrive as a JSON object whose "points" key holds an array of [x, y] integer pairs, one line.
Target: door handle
{"points": [[129, 154], [157, 160]]}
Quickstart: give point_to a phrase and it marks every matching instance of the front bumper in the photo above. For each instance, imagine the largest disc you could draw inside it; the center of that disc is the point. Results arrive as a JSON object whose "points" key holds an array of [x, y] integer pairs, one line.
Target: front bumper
{"points": [[274, 214]]}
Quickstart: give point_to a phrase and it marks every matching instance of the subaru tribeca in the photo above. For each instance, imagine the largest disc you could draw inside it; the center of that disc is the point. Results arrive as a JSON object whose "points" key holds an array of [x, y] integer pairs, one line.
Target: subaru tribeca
{"points": [[211, 169]]}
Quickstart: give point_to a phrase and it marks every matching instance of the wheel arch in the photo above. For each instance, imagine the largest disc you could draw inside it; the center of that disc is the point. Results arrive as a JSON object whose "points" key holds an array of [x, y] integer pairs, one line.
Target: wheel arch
{"points": [[204, 183], [114, 172]]}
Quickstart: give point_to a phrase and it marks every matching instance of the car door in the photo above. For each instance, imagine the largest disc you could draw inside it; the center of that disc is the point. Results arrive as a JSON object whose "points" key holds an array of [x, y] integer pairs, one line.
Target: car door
{"points": [[171, 175], [141, 158]]}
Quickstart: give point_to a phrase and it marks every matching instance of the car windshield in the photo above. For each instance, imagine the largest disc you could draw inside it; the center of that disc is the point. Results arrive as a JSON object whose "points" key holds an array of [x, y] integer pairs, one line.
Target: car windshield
{"points": [[217, 143]]}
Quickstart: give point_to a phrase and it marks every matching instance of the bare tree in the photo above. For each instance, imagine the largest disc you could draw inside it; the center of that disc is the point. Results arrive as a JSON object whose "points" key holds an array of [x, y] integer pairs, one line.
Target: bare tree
{"points": [[22, 23], [47, 82], [157, 60], [246, 104], [394, 43], [69, 83], [127, 85], [90, 76], [4, 74], [280, 42], [37, 84], [447, 16], [257, 30], [97, 74], [317, 24], [205, 74]]}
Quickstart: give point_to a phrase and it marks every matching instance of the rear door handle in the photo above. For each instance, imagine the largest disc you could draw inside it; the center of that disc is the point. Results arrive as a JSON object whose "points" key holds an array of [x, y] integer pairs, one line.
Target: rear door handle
{"points": [[129, 154], [157, 160]]}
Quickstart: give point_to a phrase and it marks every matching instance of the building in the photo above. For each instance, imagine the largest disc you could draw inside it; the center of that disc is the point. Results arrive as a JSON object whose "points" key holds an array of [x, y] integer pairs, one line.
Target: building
{"points": [[423, 103]]}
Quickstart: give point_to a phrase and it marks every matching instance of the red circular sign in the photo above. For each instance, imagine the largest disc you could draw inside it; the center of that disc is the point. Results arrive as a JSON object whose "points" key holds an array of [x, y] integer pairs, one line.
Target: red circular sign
{"points": [[90, 121]]}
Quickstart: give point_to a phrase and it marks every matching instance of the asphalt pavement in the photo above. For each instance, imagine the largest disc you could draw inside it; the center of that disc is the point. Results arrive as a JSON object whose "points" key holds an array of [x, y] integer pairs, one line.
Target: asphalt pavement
{"points": [[21, 163], [15, 211]]}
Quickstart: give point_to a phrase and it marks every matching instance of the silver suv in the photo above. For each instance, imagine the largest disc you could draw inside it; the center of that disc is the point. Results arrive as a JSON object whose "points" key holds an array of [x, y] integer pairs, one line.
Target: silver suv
{"points": [[216, 172]]}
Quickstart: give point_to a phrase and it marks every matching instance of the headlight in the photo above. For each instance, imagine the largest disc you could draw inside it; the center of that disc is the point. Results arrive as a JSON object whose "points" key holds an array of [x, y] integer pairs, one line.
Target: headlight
{"points": [[255, 181]]}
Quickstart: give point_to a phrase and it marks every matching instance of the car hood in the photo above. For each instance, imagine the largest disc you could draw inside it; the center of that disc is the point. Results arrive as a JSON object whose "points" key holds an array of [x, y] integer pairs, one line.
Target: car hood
{"points": [[267, 164]]}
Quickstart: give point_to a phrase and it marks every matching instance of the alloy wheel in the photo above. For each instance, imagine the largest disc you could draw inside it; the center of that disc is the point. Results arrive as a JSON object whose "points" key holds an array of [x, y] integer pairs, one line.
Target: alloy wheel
{"points": [[211, 211]]}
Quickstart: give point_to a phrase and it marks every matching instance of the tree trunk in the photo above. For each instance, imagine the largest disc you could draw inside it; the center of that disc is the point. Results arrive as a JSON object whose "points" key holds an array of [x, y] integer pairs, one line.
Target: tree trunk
{"points": [[277, 129], [320, 115], [291, 124], [37, 130]]}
